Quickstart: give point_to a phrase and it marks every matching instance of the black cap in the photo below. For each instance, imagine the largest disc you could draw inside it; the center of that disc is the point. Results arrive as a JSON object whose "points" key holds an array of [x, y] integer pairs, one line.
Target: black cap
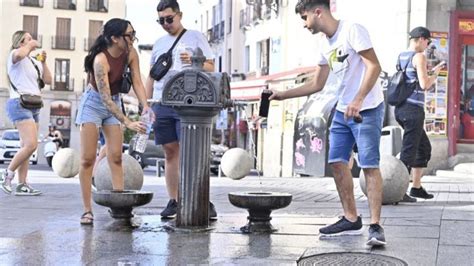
{"points": [[420, 32]]}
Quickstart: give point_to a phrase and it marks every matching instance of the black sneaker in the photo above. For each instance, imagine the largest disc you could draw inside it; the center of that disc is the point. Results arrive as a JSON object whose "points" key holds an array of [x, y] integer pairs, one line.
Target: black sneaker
{"points": [[343, 227], [376, 235], [212, 212], [420, 193], [170, 211], [407, 198]]}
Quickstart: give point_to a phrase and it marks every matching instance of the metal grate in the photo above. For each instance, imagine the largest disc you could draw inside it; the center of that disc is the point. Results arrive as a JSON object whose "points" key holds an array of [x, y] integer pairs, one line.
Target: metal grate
{"points": [[350, 258]]}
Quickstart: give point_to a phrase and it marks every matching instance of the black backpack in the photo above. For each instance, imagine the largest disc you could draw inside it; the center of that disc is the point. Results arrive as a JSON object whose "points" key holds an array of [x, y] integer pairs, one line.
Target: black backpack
{"points": [[398, 90]]}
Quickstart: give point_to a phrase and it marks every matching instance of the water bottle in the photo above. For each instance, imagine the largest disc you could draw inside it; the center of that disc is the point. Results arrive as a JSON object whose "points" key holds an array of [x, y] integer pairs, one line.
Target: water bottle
{"points": [[142, 139], [180, 48]]}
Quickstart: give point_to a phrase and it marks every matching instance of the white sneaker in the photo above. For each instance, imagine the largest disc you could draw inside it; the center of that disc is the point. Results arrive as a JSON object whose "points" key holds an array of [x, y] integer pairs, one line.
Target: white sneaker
{"points": [[26, 190]]}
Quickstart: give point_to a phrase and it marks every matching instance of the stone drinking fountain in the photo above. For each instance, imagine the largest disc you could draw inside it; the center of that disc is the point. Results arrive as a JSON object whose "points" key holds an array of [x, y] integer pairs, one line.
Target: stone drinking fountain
{"points": [[121, 203], [197, 97]]}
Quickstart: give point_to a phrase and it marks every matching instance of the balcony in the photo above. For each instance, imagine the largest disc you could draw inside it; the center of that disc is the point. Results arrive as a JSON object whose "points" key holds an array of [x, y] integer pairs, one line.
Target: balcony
{"points": [[63, 42], [63, 86], [221, 30], [65, 4], [97, 6], [88, 42], [31, 3]]}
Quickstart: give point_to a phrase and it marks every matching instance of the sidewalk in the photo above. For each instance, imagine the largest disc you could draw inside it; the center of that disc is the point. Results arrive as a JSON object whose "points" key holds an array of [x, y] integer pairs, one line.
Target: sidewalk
{"points": [[45, 230]]}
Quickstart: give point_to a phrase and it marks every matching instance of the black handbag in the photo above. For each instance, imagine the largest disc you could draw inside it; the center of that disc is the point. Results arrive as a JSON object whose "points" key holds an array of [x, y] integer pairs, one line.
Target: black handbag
{"points": [[126, 78], [164, 61]]}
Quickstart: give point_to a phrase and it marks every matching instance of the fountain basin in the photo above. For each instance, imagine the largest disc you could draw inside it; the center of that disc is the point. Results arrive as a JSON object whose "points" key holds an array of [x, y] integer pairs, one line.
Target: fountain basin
{"points": [[260, 206], [121, 203]]}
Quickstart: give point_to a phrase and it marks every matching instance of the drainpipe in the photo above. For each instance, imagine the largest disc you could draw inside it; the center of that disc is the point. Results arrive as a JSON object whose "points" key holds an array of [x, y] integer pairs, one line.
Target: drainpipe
{"points": [[408, 20]]}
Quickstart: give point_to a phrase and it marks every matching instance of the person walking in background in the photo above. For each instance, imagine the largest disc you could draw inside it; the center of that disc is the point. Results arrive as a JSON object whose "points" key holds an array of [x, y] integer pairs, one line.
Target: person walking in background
{"points": [[27, 75], [416, 147], [167, 123], [100, 104], [347, 51]]}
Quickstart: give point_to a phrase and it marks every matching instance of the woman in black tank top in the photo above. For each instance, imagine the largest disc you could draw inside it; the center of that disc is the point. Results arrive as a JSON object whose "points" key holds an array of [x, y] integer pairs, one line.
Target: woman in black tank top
{"points": [[100, 104]]}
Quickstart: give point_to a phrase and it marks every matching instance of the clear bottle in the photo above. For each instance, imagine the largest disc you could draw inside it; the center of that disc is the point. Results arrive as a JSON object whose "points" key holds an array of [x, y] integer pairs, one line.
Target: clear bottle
{"points": [[142, 139], [180, 48]]}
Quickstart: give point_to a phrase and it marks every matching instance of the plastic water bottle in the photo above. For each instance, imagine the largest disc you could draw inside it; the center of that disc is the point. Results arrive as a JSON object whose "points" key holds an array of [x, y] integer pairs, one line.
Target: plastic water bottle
{"points": [[142, 139], [180, 48]]}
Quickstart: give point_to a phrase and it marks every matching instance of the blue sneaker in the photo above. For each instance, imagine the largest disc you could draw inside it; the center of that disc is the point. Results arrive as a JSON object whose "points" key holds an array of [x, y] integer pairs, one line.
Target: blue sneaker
{"points": [[376, 235], [343, 227]]}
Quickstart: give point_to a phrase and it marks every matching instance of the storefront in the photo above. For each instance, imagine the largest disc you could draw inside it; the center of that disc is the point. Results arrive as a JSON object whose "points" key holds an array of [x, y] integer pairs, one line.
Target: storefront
{"points": [[461, 80]]}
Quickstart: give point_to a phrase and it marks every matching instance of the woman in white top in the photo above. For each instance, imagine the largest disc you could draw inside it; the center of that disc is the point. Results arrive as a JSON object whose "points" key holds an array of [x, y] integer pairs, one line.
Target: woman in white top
{"points": [[25, 74]]}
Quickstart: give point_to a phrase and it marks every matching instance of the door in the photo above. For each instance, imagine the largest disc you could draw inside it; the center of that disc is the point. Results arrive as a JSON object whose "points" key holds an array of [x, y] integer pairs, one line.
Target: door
{"points": [[63, 33], [61, 75], [466, 115]]}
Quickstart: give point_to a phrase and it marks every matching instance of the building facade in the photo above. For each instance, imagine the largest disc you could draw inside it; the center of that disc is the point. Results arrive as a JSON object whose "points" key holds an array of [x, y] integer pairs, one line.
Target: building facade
{"points": [[268, 47], [65, 29]]}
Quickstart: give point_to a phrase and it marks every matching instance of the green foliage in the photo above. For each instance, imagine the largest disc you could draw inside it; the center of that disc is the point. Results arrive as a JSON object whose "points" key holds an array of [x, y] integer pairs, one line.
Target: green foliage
{"points": [[128, 133]]}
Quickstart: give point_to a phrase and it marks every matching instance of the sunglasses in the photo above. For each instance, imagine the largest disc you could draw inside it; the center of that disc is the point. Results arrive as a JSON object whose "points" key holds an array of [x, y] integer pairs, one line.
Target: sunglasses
{"points": [[168, 19], [132, 35]]}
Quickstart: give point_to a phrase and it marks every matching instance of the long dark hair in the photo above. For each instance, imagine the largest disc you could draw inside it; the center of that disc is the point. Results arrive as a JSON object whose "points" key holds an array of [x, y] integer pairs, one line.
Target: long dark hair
{"points": [[114, 27]]}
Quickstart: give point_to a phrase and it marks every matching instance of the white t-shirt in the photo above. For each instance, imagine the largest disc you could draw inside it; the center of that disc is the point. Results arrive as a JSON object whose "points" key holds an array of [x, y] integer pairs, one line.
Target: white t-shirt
{"points": [[340, 52], [23, 75], [190, 38]]}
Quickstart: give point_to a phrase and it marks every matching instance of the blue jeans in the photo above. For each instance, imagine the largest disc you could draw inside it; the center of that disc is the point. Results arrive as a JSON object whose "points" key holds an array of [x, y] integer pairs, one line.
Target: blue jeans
{"points": [[167, 124], [93, 110], [17, 113], [416, 146], [344, 134]]}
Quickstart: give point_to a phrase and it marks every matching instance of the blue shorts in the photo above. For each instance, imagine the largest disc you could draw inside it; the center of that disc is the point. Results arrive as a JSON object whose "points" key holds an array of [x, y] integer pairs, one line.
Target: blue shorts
{"points": [[17, 113], [93, 110], [343, 134], [167, 124]]}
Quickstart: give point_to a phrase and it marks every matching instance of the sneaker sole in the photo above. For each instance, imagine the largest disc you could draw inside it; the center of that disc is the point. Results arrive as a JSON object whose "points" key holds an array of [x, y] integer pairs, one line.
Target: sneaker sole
{"points": [[345, 233], [375, 242], [28, 194], [6, 191], [169, 217]]}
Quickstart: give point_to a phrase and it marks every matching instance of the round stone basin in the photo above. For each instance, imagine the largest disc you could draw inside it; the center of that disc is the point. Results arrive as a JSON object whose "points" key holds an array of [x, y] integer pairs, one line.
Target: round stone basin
{"points": [[259, 204], [121, 203], [260, 200]]}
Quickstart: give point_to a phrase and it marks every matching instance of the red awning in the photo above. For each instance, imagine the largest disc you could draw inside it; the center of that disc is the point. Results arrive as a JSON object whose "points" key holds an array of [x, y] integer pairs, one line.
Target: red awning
{"points": [[250, 89]]}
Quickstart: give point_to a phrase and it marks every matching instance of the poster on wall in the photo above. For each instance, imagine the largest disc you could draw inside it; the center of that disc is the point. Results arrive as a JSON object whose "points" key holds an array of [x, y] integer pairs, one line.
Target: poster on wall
{"points": [[436, 97]]}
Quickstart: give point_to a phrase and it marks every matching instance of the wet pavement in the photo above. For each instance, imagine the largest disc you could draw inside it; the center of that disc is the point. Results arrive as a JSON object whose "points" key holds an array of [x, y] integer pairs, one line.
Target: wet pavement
{"points": [[45, 230]]}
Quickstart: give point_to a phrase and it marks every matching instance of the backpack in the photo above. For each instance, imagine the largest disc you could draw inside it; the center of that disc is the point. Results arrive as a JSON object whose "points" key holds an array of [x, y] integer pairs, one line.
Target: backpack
{"points": [[398, 90]]}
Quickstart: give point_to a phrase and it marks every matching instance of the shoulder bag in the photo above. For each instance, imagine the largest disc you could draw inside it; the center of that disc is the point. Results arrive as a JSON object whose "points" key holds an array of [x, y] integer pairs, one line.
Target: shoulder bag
{"points": [[164, 61], [126, 77]]}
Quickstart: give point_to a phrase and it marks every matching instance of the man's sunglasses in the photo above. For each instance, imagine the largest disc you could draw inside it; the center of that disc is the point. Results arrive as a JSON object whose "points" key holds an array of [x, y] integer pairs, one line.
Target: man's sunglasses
{"points": [[168, 19]]}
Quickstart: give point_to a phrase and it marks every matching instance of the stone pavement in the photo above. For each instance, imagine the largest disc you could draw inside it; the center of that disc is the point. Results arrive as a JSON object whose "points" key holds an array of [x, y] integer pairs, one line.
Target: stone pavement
{"points": [[45, 230]]}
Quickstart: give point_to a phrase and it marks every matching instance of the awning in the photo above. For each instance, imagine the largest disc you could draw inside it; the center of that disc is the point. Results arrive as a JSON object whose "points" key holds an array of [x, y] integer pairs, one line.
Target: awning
{"points": [[250, 89]]}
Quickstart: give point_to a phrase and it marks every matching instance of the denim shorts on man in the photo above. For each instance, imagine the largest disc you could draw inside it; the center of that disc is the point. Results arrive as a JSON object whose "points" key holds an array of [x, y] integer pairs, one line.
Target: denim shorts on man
{"points": [[167, 124], [17, 113], [343, 134], [93, 110]]}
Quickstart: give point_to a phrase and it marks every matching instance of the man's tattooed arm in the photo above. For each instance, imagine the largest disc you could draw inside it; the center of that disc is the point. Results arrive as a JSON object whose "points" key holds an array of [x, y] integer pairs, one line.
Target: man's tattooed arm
{"points": [[102, 82]]}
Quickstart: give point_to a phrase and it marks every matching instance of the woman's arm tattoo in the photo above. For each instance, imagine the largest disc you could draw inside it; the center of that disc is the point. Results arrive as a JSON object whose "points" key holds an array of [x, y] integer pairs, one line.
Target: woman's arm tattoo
{"points": [[104, 91]]}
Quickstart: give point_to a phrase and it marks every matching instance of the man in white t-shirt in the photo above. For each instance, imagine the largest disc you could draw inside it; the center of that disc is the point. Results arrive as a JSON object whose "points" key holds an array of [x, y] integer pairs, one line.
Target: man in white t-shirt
{"points": [[167, 123], [347, 51]]}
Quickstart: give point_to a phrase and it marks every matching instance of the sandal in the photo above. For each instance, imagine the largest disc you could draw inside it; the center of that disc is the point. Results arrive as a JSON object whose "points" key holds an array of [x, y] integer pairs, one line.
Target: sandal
{"points": [[87, 218]]}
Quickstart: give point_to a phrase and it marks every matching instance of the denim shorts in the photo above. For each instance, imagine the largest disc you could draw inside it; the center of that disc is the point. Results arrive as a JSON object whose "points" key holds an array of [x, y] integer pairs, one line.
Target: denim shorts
{"points": [[167, 124], [93, 110], [17, 113], [343, 134]]}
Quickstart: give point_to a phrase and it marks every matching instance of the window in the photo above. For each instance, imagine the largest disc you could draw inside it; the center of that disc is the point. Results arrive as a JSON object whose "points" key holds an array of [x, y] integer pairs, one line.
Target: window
{"points": [[30, 24], [247, 59], [264, 59], [65, 4], [229, 60], [229, 30], [94, 29], [61, 75], [97, 5], [32, 3], [63, 39]]}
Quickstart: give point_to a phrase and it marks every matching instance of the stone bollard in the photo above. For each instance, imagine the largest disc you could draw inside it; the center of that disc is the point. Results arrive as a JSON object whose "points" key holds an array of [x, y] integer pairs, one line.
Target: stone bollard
{"points": [[197, 97]]}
